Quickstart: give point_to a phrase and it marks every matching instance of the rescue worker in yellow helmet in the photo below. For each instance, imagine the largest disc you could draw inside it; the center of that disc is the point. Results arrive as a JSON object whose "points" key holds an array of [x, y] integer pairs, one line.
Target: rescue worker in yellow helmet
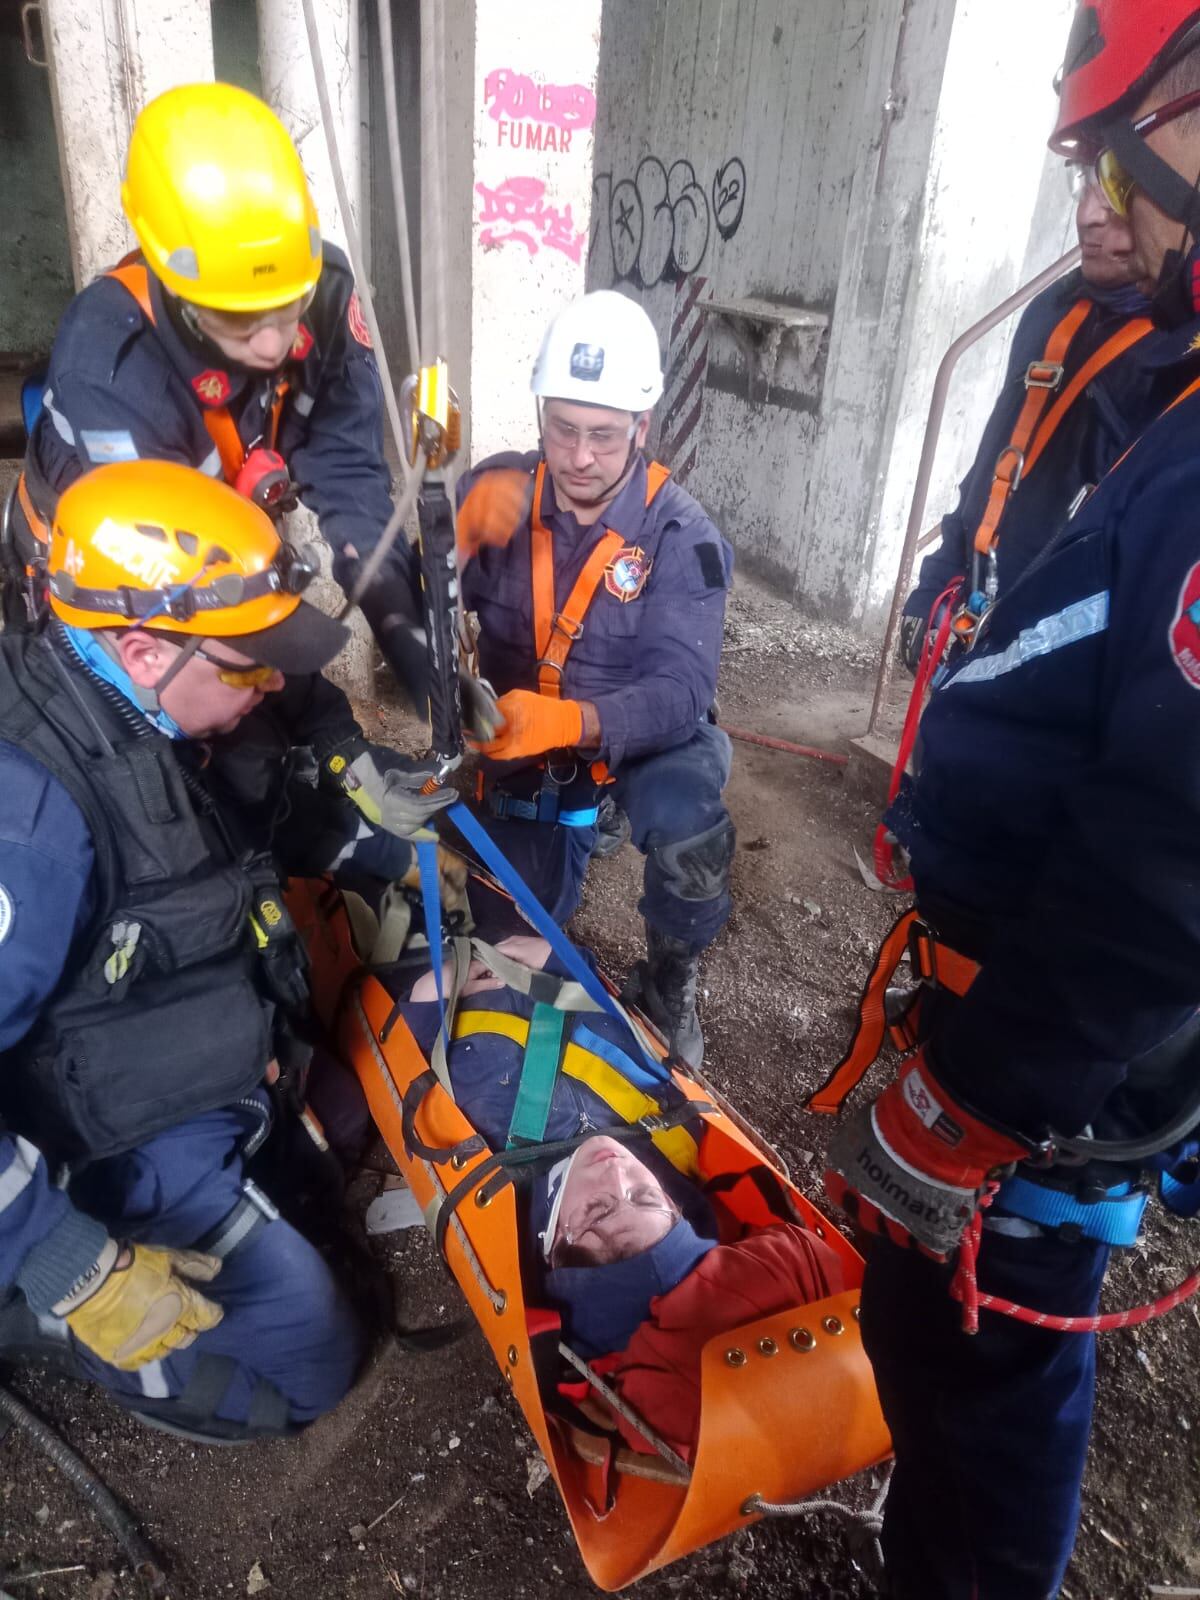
{"points": [[232, 341], [151, 983]]}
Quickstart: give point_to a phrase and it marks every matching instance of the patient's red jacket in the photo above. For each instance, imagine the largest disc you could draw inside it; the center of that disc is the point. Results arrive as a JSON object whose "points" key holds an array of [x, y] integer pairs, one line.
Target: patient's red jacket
{"points": [[658, 1373]]}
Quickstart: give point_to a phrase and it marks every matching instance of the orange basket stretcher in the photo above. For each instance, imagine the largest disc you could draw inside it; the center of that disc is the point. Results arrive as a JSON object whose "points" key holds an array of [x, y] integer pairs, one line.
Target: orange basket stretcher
{"points": [[788, 1402]]}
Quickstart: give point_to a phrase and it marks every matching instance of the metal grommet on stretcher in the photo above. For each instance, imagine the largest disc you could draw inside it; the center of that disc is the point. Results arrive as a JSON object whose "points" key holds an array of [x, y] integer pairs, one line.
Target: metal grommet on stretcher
{"points": [[500, 1303], [767, 1347], [802, 1339], [833, 1325], [735, 1357], [512, 1355]]}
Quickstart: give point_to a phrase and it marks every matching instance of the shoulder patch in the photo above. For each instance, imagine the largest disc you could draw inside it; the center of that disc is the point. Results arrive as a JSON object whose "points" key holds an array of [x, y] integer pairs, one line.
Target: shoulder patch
{"points": [[108, 444], [357, 322], [712, 565], [7, 914], [1184, 635]]}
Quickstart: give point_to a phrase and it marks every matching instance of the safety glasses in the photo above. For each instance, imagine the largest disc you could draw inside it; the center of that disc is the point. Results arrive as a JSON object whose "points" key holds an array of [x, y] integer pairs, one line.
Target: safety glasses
{"points": [[236, 676], [597, 441], [1115, 183], [245, 324]]}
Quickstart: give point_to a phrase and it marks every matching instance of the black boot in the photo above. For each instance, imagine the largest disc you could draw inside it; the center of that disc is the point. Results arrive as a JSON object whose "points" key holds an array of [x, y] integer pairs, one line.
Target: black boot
{"points": [[664, 986], [613, 828]]}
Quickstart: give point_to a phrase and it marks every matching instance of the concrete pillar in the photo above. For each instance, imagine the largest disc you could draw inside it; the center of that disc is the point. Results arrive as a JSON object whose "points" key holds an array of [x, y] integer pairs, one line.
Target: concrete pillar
{"points": [[519, 90], [107, 58], [982, 228], [290, 88]]}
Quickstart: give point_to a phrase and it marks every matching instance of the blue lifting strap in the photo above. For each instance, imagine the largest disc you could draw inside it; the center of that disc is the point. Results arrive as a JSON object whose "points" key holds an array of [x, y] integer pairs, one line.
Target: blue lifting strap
{"points": [[1180, 1195], [539, 1074], [527, 902], [1117, 1219], [431, 905]]}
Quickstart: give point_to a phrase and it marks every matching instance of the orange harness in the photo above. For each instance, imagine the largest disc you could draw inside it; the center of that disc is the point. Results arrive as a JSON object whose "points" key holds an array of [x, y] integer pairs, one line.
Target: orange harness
{"points": [[1039, 421], [932, 963], [222, 429], [554, 632]]}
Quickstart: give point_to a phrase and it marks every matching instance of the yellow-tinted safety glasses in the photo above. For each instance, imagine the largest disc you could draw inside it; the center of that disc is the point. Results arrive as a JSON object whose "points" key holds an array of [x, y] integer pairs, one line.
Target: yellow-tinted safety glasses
{"points": [[1115, 183], [234, 676]]}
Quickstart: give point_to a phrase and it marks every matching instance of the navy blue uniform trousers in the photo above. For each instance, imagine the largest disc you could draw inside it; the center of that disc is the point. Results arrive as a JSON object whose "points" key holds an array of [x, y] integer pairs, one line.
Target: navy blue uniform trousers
{"points": [[287, 1330], [991, 1431], [669, 797]]}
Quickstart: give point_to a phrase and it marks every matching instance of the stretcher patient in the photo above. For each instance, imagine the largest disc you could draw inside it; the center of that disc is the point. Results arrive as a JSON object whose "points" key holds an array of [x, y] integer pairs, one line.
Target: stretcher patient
{"points": [[642, 1266]]}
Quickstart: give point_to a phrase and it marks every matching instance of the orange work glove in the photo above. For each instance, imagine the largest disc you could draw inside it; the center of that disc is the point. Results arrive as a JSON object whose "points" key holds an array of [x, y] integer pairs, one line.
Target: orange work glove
{"points": [[531, 724], [492, 510]]}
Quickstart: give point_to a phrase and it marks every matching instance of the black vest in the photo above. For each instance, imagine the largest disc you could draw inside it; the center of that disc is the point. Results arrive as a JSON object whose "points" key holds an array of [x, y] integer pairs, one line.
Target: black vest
{"points": [[158, 1015]]}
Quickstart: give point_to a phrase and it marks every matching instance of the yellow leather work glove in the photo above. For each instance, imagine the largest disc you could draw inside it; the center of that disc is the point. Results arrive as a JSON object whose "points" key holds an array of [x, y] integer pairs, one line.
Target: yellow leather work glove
{"points": [[145, 1309], [492, 510], [533, 724]]}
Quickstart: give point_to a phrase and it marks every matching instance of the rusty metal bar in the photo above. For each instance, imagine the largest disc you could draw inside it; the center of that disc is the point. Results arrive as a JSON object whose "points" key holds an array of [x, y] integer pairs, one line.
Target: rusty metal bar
{"points": [[933, 428]]}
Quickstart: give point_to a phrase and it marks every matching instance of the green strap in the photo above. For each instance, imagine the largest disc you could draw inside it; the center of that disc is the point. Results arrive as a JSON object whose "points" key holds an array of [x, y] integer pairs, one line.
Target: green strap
{"points": [[539, 1074]]}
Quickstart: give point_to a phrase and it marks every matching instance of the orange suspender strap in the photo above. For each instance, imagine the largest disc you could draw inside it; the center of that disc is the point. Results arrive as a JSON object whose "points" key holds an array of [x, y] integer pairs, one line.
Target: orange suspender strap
{"points": [[222, 430], [38, 524], [933, 962], [1111, 350], [554, 632], [1042, 379]]}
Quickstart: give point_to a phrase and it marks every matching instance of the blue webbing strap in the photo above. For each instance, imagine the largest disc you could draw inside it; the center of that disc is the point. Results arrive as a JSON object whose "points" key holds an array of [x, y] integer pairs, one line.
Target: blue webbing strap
{"points": [[500, 868], [1116, 1219], [431, 904]]}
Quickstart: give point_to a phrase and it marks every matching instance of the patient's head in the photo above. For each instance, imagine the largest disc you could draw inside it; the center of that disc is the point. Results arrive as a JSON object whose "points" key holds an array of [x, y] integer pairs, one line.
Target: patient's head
{"points": [[610, 1206]]}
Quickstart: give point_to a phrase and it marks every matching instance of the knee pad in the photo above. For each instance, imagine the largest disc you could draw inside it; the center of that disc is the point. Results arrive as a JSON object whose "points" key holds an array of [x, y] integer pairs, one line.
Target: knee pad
{"points": [[698, 868]]}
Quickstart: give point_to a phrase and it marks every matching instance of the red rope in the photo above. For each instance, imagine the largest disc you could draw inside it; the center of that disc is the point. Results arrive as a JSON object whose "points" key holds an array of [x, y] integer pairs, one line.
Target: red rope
{"points": [[932, 651], [965, 1288]]}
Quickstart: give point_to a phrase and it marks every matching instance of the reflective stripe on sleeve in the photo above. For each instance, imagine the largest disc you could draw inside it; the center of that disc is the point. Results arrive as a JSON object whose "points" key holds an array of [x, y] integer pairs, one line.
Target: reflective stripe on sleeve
{"points": [[18, 1175], [1079, 621]]}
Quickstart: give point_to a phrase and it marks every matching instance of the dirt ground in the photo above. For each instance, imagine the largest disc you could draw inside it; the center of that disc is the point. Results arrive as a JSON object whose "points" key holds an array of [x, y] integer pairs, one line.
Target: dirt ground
{"points": [[425, 1481]]}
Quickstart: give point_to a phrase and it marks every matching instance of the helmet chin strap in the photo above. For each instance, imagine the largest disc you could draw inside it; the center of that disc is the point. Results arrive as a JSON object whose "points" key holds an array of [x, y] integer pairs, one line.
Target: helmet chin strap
{"points": [[185, 318], [1176, 297]]}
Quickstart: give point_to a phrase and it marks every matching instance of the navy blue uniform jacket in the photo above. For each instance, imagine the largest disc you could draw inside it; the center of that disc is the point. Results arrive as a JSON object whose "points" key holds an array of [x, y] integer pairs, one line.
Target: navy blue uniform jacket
{"points": [[649, 665], [119, 387], [1058, 795], [1111, 412]]}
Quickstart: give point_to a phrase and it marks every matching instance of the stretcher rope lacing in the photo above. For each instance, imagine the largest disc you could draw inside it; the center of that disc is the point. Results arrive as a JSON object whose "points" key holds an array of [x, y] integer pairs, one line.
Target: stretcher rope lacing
{"points": [[624, 1409], [497, 1297]]}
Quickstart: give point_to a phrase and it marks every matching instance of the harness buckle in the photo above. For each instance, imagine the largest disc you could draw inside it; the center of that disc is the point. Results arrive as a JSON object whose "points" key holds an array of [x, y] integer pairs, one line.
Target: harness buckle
{"points": [[555, 666], [1044, 375], [1013, 478], [568, 626]]}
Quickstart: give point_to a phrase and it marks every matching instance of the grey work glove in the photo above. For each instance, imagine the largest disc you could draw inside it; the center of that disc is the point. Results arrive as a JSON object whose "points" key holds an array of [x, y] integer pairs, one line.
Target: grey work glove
{"points": [[480, 717]]}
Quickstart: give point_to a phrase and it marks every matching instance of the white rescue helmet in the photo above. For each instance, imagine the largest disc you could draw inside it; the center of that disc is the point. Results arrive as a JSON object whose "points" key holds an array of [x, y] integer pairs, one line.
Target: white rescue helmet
{"points": [[601, 351]]}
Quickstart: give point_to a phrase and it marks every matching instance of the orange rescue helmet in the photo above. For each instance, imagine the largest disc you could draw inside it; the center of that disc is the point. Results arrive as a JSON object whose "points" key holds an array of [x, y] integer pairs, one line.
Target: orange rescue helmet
{"points": [[160, 545], [216, 194]]}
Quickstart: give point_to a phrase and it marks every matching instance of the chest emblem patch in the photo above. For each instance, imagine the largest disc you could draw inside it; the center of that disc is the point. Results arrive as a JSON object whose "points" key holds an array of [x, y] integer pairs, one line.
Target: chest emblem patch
{"points": [[212, 386], [1185, 630], [302, 343], [625, 575]]}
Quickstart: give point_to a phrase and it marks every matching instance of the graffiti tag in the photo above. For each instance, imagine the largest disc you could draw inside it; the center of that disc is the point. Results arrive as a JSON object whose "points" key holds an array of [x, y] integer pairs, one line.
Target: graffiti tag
{"points": [[516, 98], [658, 222], [516, 212]]}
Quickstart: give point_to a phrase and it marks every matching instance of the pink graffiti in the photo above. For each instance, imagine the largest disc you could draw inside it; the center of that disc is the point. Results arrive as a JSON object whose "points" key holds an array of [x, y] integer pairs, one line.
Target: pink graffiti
{"points": [[513, 95], [515, 212]]}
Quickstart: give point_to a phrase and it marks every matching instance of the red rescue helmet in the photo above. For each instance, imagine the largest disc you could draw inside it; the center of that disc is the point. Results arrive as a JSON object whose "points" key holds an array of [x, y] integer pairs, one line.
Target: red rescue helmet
{"points": [[1116, 51]]}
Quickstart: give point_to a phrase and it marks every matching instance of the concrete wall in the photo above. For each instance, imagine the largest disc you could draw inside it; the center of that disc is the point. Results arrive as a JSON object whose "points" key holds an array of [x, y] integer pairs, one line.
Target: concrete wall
{"points": [[35, 259], [520, 103], [760, 159]]}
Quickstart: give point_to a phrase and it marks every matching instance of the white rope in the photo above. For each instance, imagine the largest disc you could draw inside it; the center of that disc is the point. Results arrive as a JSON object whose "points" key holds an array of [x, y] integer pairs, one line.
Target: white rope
{"points": [[399, 199], [433, 159], [624, 1409]]}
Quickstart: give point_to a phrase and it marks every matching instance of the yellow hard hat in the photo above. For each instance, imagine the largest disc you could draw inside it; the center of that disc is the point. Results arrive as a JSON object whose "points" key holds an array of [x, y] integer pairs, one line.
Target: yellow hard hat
{"points": [[218, 199], [160, 545]]}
